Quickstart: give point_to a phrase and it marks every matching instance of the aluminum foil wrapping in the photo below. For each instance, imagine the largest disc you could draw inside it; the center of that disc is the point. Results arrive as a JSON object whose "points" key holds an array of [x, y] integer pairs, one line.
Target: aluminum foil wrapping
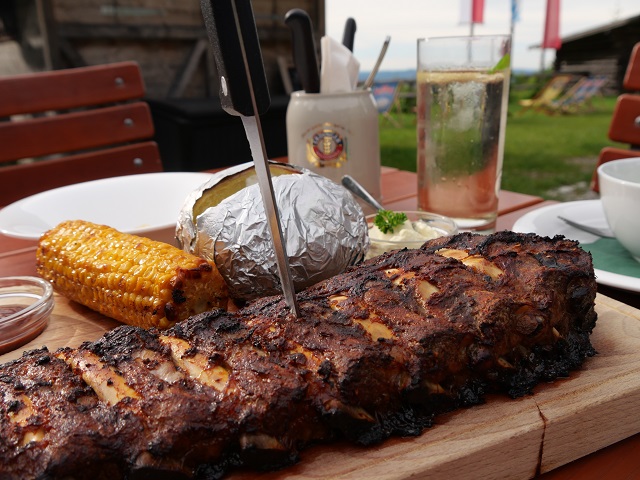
{"points": [[324, 230]]}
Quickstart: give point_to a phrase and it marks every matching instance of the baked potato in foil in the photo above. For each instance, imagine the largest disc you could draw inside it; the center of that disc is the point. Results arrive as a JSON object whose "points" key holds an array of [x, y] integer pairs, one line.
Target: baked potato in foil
{"points": [[324, 228]]}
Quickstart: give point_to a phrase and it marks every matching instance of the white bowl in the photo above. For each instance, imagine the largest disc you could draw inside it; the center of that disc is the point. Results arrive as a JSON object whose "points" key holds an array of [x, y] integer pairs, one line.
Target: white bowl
{"points": [[145, 204], [620, 194]]}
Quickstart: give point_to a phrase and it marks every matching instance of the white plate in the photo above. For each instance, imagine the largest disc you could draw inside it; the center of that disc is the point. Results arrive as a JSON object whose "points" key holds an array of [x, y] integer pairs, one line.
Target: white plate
{"points": [[544, 221], [132, 204]]}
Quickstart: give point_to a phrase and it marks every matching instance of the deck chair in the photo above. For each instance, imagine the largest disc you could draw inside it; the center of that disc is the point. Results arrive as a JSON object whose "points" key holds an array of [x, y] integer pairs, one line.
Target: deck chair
{"points": [[68, 126], [386, 96], [547, 94], [578, 96]]}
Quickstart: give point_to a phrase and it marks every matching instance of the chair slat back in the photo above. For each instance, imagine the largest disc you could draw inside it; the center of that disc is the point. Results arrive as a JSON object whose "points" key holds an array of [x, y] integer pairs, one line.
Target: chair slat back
{"points": [[20, 181], [70, 88], [631, 80], [75, 131], [625, 124], [68, 126]]}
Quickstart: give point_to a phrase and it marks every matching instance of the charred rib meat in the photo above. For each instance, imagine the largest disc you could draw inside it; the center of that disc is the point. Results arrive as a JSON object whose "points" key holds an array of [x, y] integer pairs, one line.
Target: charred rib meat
{"points": [[378, 351]]}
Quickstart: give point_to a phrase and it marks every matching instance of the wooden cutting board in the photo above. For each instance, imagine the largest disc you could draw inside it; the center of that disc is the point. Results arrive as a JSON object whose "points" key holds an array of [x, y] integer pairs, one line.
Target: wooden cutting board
{"points": [[503, 438]]}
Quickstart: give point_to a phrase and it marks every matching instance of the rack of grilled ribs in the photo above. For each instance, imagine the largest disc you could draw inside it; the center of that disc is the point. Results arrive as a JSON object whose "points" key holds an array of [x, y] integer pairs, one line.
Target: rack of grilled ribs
{"points": [[377, 351]]}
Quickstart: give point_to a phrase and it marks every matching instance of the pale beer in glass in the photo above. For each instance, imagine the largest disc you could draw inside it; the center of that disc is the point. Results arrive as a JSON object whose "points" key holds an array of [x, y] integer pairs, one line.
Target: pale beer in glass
{"points": [[462, 99]]}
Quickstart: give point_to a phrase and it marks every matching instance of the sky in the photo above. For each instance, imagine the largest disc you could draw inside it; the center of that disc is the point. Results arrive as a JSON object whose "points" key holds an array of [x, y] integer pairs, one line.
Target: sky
{"points": [[407, 20]]}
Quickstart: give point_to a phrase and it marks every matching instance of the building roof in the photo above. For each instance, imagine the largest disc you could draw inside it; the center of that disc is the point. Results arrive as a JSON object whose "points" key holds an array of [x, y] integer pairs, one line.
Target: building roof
{"points": [[597, 30], [602, 29]]}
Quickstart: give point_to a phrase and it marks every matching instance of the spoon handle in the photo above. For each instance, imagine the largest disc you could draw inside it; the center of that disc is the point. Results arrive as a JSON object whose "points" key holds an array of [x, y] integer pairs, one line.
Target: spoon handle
{"points": [[601, 232], [354, 187], [369, 81]]}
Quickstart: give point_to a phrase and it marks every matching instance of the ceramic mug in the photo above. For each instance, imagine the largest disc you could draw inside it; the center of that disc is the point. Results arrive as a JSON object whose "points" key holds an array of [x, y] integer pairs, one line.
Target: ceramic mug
{"points": [[619, 182], [336, 134]]}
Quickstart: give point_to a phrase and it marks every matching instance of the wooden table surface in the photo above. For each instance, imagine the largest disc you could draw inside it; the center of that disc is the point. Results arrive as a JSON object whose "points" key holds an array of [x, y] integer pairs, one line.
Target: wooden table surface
{"points": [[399, 192]]}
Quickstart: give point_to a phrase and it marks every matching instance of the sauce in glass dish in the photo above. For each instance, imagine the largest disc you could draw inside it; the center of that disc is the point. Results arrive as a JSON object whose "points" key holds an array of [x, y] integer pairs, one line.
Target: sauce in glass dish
{"points": [[8, 310], [25, 306], [417, 228]]}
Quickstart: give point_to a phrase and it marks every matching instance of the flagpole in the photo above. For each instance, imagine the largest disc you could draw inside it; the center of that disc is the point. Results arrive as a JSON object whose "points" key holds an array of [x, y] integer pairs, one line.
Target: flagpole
{"points": [[544, 38], [512, 30]]}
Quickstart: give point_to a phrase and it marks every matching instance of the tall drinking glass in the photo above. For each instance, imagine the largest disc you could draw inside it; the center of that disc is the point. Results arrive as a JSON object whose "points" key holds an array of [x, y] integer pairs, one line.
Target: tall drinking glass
{"points": [[462, 99]]}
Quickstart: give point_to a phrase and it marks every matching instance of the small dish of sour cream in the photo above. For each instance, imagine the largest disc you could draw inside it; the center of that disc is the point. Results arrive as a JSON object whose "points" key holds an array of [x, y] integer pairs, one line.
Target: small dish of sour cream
{"points": [[394, 231]]}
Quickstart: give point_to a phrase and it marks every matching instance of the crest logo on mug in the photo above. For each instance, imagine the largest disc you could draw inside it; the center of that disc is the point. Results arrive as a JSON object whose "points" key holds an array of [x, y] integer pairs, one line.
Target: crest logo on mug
{"points": [[326, 148]]}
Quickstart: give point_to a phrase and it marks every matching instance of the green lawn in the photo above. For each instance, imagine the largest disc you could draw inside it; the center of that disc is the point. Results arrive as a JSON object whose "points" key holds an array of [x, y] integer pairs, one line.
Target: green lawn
{"points": [[542, 153]]}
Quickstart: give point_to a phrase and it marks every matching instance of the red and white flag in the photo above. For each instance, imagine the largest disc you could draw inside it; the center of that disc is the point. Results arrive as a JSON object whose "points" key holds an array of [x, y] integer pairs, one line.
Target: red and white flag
{"points": [[552, 26], [471, 11]]}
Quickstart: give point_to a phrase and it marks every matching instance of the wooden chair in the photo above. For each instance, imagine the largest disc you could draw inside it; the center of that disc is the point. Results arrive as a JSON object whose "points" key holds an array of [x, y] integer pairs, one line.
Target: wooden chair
{"points": [[625, 123], [68, 126]]}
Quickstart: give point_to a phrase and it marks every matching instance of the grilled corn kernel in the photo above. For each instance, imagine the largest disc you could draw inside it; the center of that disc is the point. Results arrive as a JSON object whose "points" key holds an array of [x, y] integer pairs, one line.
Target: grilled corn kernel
{"points": [[129, 278]]}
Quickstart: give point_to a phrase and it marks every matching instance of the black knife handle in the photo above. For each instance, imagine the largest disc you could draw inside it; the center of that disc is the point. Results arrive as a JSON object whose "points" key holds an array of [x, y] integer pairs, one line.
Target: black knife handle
{"points": [[304, 49], [349, 33], [226, 44]]}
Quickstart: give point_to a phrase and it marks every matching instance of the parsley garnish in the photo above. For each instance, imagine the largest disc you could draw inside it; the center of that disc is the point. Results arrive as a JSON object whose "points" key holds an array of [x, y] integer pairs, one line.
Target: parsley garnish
{"points": [[386, 220]]}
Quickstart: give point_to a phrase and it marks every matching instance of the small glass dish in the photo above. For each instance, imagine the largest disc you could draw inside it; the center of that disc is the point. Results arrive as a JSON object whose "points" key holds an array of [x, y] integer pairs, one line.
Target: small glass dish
{"points": [[25, 307], [437, 226]]}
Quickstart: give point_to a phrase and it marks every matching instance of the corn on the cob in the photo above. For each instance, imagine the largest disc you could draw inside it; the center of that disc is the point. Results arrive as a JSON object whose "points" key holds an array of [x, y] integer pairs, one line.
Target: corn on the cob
{"points": [[129, 278]]}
